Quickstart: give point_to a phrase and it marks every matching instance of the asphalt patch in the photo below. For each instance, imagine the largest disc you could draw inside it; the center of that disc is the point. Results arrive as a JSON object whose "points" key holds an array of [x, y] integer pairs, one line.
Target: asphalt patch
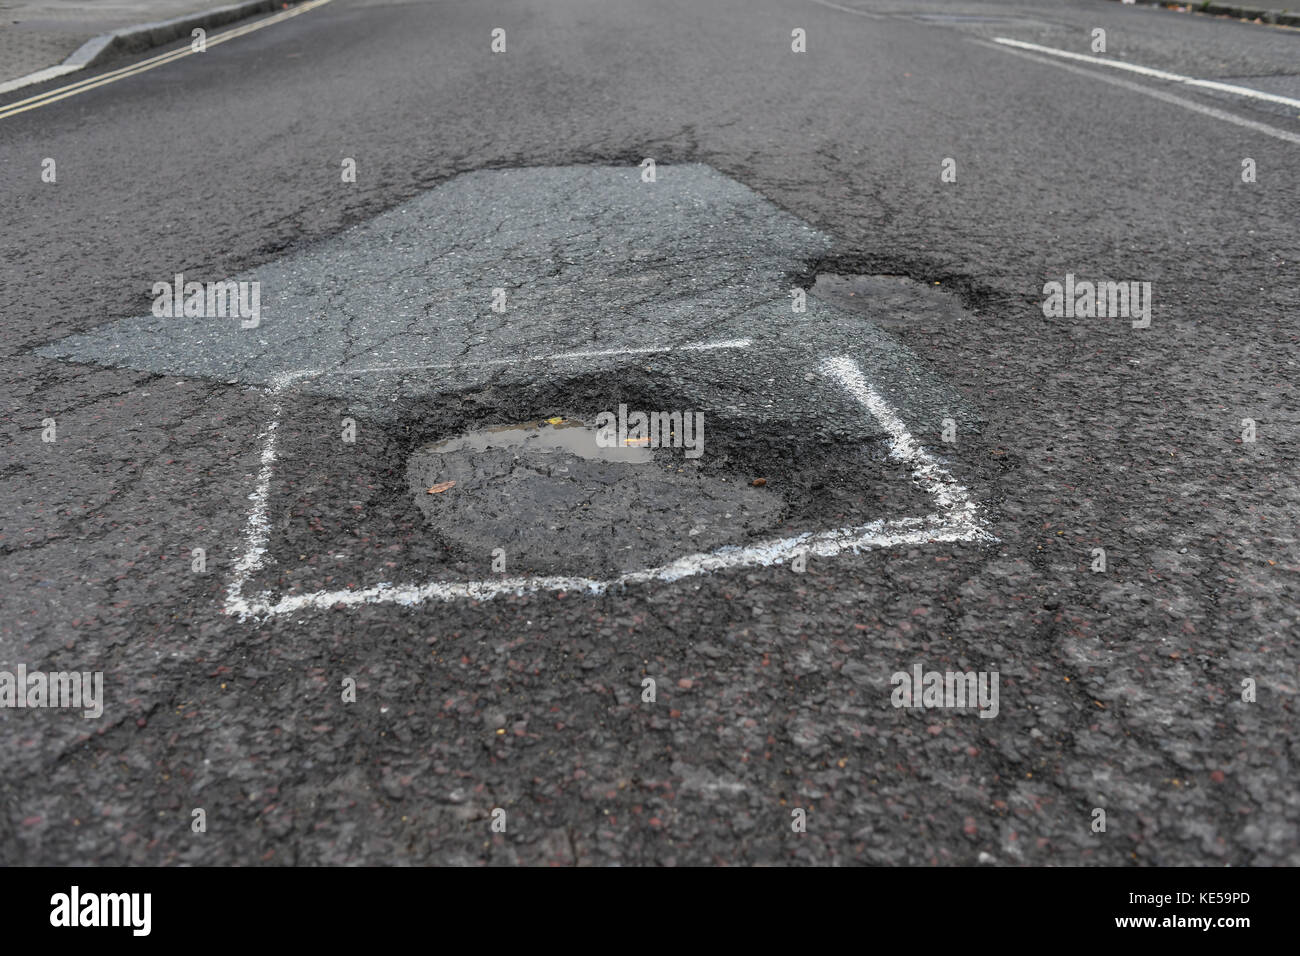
{"points": [[592, 261]]}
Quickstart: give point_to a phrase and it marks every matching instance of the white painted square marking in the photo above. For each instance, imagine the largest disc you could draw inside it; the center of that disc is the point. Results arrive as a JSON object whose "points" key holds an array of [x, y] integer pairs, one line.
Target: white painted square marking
{"points": [[956, 518]]}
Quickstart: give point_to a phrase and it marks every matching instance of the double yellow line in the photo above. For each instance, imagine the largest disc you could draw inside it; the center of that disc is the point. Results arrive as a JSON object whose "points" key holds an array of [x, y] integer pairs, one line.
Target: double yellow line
{"points": [[72, 89]]}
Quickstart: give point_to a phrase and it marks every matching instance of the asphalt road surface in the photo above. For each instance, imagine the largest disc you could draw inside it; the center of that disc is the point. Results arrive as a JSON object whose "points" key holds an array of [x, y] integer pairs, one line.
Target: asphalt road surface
{"points": [[691, 651]]}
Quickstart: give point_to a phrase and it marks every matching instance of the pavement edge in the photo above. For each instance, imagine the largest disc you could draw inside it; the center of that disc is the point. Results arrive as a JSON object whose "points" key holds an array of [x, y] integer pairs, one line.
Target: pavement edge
{"points": [[144, 36]]}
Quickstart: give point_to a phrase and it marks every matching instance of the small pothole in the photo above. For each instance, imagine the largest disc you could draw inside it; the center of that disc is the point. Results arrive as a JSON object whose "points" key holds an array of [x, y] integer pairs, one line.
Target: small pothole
{"points": [[892, 301], [561, 495], [518, 469]]}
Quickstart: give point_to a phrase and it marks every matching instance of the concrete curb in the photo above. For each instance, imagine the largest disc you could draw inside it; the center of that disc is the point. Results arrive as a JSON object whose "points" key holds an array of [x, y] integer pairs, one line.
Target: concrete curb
{"points": [[142, 37], [1284, 18]]}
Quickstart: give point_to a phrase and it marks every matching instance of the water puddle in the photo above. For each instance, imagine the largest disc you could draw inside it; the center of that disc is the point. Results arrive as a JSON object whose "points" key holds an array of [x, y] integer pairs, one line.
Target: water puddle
{"points": [[552, 435]]}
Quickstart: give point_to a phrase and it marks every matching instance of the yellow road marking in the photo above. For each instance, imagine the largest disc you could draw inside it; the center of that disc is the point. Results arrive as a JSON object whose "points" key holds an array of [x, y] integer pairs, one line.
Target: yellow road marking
{"points": [[72, 89]]}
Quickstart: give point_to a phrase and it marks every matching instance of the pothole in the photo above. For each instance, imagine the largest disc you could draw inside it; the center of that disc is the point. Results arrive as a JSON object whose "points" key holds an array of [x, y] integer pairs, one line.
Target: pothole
{"points": [[892, 301], [519, 470], [564, 497]]}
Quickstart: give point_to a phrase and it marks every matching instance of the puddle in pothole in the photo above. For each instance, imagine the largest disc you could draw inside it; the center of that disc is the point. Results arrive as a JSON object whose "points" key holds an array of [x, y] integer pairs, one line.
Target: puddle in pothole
{"points": [[564, 435], [555, 499]]}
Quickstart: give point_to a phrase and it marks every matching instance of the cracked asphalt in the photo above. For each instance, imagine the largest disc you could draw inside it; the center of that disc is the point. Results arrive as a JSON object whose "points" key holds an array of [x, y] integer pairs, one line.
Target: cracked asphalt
{"points": [[1121, 689]]}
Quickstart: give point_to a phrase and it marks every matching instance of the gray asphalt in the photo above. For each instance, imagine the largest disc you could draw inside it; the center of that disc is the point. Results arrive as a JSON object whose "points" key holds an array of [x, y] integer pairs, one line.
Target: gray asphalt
{"points": [[1120, 690]]}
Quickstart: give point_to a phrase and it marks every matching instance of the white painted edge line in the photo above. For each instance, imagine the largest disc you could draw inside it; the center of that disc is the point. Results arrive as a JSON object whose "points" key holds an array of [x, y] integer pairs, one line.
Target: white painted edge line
{"points": [[1153, 73], [1152, 92], [958, 519]]}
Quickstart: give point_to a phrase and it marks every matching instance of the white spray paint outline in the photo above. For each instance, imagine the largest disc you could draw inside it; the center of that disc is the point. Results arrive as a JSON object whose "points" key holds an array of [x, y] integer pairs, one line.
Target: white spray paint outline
{"points": [[957, 519]]}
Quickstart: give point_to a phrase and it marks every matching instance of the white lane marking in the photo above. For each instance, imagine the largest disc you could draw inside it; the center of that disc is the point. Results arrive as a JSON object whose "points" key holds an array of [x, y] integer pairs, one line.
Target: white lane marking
{"points": [[958, 519], [1162, 95], [724, 344], [1005, 43], [557, 357], [1154, 74]]}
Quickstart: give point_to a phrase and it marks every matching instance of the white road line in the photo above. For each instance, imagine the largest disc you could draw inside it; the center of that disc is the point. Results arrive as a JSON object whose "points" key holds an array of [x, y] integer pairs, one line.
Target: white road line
{"points": [[871, 537], [958, 519], [725, 344], [1006, 44], [948, 495], [1162, 95], [258, 531], [557, 357], [1154, 74]]}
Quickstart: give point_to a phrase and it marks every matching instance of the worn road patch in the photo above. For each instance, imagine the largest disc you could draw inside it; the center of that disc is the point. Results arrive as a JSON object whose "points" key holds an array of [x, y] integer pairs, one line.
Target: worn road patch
{"points": [[533, 292]]}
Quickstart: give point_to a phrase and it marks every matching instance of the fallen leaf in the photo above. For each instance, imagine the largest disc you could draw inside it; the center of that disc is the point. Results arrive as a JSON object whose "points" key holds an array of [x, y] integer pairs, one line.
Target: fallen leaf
{"points": [[441, 487], [759, 482], [555, 421]]}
